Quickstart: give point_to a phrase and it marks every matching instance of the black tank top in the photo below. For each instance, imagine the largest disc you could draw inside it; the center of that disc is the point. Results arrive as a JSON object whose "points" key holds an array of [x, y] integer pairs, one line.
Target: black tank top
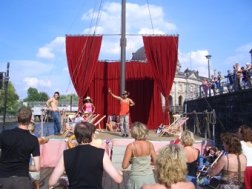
{"points": [[193, 167], [84, 167]]}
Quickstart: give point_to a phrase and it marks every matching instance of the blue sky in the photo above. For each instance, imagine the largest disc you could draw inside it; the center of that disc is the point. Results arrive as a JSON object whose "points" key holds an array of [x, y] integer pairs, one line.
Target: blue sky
{"points": [[32, 35]]}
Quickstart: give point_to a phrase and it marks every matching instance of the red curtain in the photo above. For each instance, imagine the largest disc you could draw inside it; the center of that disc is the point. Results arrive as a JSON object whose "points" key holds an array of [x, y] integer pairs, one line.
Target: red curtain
{"points": [[145, 81], [139, 82], [162, 54], [82, 57]]}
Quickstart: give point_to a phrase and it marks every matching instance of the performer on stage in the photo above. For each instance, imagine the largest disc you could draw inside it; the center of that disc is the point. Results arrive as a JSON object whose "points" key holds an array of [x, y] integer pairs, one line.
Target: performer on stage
{"points": [[52, 104], [88, 105], [125, 104]]}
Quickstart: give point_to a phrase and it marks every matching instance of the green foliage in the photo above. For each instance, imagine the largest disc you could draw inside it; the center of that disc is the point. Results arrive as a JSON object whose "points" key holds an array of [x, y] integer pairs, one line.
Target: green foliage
{"points": [[34, 95], [67, 98], [43, 96], [12, 100]]}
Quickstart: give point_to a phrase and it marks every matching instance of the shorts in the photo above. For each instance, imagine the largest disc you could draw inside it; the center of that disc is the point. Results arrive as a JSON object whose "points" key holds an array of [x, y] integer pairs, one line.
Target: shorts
{"points": [[35, 175]]}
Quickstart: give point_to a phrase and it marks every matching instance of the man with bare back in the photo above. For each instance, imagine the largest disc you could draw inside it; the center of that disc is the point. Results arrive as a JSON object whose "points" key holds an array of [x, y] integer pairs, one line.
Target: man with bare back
{"points": [[52, 105], [125, 104]]}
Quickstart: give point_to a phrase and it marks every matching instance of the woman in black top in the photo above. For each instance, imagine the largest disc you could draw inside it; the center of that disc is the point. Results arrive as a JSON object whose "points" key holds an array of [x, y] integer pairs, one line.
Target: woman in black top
{"points": [[191, 153], [85, 163]]}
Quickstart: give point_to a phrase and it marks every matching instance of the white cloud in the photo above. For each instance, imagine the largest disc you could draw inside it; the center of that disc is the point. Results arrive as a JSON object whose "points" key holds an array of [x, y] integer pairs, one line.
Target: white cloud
{"points": [[29, 67], [35, 82], [195, 59], [137, 22], [241, 55], [45, 52], [22, 73], [48, 51], [109, 22]]}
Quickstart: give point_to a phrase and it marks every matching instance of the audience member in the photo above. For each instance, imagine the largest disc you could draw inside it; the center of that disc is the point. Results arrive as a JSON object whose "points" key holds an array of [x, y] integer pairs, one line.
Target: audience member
{"points": [[35, 176], [237, 74], [84, 164], [245, 78], [249, 71], [232, 165], [214, 83], [139, 153], [191, 154], [17, 146], [78, 118], [112, 123], [86, 116], [230, 83], [211, 154], [171, 170], [245, 134], [205, 87]]}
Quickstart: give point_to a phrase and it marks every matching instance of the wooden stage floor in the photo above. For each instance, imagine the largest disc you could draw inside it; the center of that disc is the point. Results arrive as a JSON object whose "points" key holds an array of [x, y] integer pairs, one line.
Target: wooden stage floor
{"points": [[153, 136]]}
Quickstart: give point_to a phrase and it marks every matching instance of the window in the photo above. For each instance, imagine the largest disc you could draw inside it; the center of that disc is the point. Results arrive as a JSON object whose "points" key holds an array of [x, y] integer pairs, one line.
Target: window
{"points": [[170, 101], [180, 100]]}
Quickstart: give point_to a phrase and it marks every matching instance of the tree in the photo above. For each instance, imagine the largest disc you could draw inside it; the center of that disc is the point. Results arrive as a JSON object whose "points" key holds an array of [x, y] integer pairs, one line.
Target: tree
{"points": [[12, 100], [34, 95], [43, 96], [65, 99]]}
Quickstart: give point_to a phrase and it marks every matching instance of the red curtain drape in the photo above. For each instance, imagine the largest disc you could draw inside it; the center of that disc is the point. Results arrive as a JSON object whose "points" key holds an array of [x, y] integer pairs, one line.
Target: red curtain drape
{"points": [[82, 57], [140, 84], [162, 53], [145, 81]]}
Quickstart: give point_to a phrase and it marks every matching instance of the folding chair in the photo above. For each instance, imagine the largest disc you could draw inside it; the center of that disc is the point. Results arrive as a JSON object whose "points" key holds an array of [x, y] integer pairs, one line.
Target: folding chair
{"points": [[113, 123], [98, 122], [175, 128]]}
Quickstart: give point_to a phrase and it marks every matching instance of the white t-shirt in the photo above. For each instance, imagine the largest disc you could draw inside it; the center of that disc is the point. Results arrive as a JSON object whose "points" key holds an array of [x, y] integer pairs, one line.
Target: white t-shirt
{"points": [[247, 151]]}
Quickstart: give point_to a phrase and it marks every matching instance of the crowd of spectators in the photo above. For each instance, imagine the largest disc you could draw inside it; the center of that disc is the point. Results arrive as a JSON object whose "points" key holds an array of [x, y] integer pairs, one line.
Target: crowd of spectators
{"points": [[176, 165], [239, 78]]}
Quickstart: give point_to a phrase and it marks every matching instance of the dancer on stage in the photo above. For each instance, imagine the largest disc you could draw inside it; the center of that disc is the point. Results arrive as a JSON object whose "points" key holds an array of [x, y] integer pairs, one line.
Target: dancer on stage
{"points": [[125, 104], [88, 105]]}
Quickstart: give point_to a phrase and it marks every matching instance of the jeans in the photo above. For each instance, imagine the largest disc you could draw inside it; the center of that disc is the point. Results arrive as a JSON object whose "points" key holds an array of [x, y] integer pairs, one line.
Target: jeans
{"points": [[124, 124], [56, 120]]}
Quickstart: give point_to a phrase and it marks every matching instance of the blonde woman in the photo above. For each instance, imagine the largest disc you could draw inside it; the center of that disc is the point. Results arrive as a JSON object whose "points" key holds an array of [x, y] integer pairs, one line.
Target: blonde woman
{"points": [[171, 169], [191, 154], [140, 153]]}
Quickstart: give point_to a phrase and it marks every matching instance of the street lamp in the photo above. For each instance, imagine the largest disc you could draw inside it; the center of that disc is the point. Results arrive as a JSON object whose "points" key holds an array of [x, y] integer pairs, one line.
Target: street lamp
{"points": [[5, 85], [208, 64], [251, 55]]}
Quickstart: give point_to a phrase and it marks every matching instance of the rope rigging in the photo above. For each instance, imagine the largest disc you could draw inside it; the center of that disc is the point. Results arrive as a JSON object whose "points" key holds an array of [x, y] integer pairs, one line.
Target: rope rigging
{"points": [[153, 31], [80, 58]]}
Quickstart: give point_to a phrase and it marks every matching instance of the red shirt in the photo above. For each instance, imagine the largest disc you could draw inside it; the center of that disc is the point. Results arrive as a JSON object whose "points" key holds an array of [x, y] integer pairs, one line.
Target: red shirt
{"points": [[124, 107]]}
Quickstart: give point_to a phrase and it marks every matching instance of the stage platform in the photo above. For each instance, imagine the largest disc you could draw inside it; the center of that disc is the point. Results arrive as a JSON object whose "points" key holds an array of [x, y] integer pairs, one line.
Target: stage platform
{"points": [[111, 142]]}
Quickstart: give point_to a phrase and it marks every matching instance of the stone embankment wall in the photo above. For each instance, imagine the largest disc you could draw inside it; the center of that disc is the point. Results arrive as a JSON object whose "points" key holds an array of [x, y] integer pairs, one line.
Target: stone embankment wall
{"points": [[232, 110]]}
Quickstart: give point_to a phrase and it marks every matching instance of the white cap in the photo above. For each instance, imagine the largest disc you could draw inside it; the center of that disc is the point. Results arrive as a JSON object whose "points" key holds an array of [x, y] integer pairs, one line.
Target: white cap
{"points": [[87, 98]]}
